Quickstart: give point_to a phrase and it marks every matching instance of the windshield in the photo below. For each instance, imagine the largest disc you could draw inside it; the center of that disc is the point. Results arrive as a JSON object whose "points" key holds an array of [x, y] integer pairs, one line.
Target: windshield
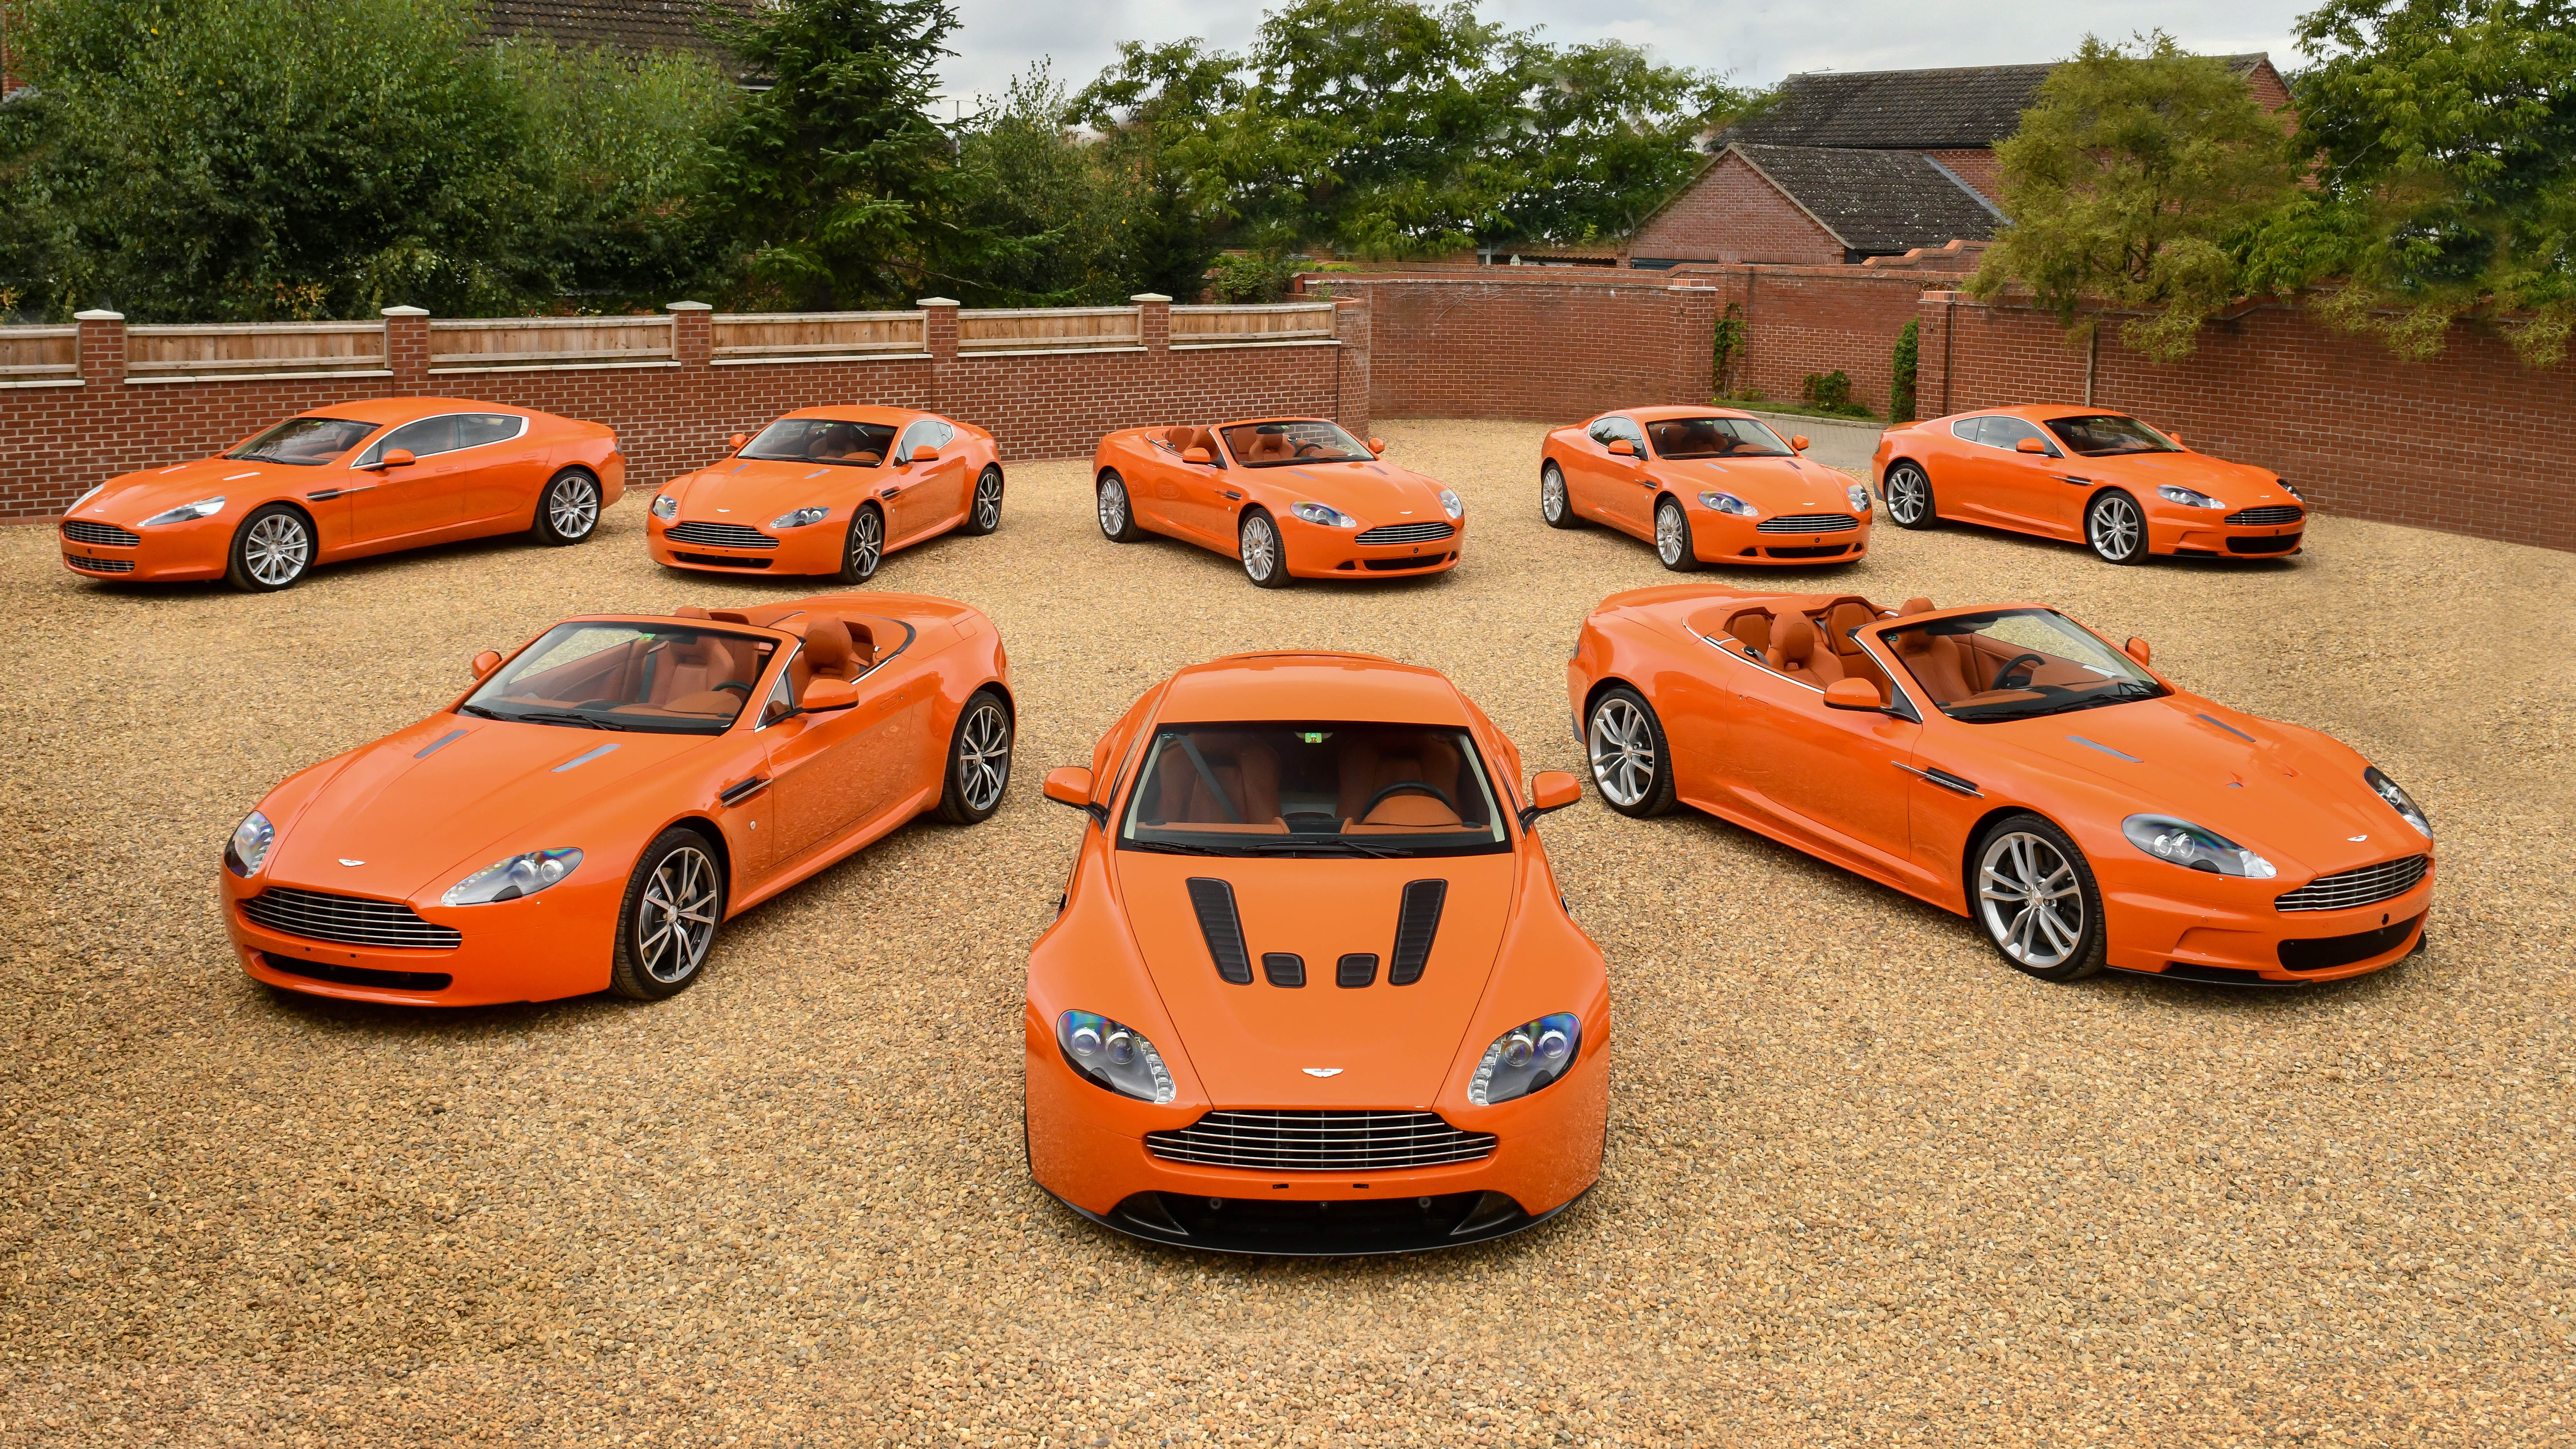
{"points": [[1312, 789], [822, 440], [1275, 445], [2103, 435], [1716, 438], [2016, 664], [667, 678], [304, 442]]}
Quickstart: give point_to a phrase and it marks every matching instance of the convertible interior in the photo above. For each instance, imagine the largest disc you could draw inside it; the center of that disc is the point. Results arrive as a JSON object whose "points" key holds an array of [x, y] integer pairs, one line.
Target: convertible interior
{"points": [[683, 678], [1182, 439], [1815, 647], [1337, 779]]}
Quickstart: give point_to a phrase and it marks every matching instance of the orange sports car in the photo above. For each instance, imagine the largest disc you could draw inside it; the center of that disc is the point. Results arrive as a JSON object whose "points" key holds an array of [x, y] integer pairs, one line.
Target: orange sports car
{"points": [[829, 491], [2085, 476], [346, 481], [2009, 764], [1293, 498], [1704, 485], [1312, 989], [600, 802]]}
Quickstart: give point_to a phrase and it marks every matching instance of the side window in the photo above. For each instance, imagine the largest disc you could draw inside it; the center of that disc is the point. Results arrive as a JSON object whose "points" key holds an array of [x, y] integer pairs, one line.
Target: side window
{"points": [[928, 433], [2006, 433], [423, 438], [473, 430], [1966, 430], [1611, 430], [777, 706]]}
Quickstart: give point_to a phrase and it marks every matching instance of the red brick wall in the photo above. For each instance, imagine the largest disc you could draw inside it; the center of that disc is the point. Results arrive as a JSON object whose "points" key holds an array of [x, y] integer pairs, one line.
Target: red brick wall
{"points": [[1731, 214]]}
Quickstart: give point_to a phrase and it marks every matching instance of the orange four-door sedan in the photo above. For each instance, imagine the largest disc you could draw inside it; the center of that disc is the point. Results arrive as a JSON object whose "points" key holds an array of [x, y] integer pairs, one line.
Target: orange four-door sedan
{"points": [[2086, 476], [1292, 498], [599, 803], [1703, 485], [829, 491], [346, 481], [1312, 989], [2009, 764]]}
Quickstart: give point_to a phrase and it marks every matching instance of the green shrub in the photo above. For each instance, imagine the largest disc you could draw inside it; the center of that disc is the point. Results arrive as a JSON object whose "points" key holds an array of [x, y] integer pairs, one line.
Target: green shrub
{"points": [[1900, 394], [1257, 277], [1830, 392]]}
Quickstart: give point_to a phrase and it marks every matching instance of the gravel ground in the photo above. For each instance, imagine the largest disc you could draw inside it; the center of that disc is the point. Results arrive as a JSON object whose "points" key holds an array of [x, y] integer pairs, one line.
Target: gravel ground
{"points": [[1865, 1185]]}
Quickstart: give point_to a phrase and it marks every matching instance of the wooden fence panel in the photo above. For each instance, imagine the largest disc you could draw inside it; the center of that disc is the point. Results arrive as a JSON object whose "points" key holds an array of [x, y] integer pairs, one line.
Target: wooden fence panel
{"points": [[481, 344], [37, 354], [997, 330], [254, 349], [1223, 326], [818, 336]]}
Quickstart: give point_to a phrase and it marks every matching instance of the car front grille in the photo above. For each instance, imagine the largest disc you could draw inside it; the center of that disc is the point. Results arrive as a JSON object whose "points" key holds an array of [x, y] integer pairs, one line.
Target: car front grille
{"points": [[1819, 550], [358, 975], [2277, 543], [1807, 523], [2329, 952], [2364, 887], [720, 535], [1398, 565], [81, 530], [100, 565], [1320, 1141], [2267, 516], [349, 920], [719, 560], [1408, 533]]}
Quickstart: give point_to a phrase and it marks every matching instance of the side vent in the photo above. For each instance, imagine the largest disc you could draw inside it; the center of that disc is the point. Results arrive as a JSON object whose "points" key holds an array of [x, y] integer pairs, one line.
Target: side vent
{"points": [[1284, 968], [1356, 970], [1213, 900], [1415, 926]]}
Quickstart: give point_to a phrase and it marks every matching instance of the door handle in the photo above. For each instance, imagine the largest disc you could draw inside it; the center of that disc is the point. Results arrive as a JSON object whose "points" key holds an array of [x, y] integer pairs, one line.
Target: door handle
{"points": [[889, 491], [740, 791], [1230, 493]]}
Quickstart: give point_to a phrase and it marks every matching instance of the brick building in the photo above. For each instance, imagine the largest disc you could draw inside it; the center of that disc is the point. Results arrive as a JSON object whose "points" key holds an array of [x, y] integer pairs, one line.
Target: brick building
{"points": [[629, 27]]}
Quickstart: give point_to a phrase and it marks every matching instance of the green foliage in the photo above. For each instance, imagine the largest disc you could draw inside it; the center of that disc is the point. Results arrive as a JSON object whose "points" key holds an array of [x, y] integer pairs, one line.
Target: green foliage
{"points": [[1727, 345], [1073, 211], [1830, 393], [1900, 393], [1252, 277]]}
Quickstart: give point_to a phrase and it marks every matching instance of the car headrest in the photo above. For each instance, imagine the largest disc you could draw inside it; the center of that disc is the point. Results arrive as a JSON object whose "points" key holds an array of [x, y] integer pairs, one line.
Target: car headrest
{"points": [[1840, 621], [1914, 641], [1793, 638], [1914, 606], [690, 611], [827, 647]]}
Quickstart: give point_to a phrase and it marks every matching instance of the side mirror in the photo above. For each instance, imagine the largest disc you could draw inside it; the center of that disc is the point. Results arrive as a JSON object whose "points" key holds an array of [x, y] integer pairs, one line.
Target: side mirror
{"points": [[396, 458], [1854, 694], [2030, 445], [1623, 447], [1799, 442], [738, 442], [1071, 785], [2176, 437], [1550, 790], [2135, 649], [1377, 445], [1197, 455], [925, 454], [828, 694], [484, 663]]}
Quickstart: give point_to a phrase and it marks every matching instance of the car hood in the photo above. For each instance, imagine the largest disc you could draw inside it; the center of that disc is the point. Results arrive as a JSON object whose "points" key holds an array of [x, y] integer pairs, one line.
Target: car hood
{"points": [[133, 497], [2296, 801], [1774, 485], [2238, 485], [1393, 1046], [1374, 493], [752, 492], [414, 815]]}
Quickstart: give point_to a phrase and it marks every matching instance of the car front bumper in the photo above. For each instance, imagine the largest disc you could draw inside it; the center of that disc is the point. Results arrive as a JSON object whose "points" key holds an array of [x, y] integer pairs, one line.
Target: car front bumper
{"points": [[2191, 534], [2205, 938], [1316, 552], [817, 548], [1731, 538], [539, 948], [171, 553]]}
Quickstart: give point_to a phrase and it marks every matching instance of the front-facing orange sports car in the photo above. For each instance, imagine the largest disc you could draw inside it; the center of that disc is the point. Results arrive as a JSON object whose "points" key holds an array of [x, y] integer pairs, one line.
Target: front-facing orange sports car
{"points": [[2085, 476], [1291, 498], [1703, 485], [591, 812], [1312, 989], [347, 481], [829, 491], [2009, 764]]}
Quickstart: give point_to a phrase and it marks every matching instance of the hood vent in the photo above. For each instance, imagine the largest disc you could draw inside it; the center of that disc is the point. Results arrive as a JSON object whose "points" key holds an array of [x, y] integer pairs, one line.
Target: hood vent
{"points": [[1284, 968], [1222, 928], [1356, 970], [1415, 926]]}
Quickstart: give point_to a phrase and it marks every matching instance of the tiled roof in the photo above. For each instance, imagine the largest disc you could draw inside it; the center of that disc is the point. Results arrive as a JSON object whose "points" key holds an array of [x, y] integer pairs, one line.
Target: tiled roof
{"points": [[1929, 110], [633, 26], [1875, 201]]}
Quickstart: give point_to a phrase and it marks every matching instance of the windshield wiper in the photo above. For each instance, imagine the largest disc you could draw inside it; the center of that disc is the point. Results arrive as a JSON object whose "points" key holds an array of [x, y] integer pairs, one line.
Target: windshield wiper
{"points": [[1174, 847], [563, 716], [476, 709], [1283, 847]]}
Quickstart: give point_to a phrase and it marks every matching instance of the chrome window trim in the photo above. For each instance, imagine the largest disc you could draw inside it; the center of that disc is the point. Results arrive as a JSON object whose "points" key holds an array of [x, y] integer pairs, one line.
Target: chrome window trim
{"points": [[376, 449], [777, 688], [1910, 713]]}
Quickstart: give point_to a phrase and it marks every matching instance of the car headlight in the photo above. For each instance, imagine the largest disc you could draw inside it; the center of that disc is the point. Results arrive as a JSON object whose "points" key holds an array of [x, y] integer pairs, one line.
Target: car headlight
{"points": [[2194, 847], [1452, 504], [1728, 503], [800, 517], [84, 498], [248, 848], [2399, 801], [507, 880], [1859, 497], [2286, 486], [666, 507], [1526, 1058], [2187, 497], [1318, 514], [189, 512], [1114, 1056]]}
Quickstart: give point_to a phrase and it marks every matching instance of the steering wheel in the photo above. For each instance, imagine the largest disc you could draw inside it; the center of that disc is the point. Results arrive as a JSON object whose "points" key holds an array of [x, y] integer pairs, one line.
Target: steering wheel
{"points": [[1408, 787], [735, 684], [1310, 450], [2004, 679]]}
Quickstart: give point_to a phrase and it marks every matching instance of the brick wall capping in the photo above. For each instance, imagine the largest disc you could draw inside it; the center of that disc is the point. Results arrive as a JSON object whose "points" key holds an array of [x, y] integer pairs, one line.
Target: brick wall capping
{"points": [[98, 315], [687, 307], [156, 378], [1249, 342], [939, 302], [46, 382], [406, 311], [1149, 297], [790, 359]]}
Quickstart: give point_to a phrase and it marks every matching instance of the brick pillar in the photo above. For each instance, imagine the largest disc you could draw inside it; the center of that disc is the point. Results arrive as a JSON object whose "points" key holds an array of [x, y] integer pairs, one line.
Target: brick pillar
{"points": [[1933, 348], [1694, 318], [693, 333], [939, 339], [1352, 323], [407, 349], [102, 347], [1153, 320]]}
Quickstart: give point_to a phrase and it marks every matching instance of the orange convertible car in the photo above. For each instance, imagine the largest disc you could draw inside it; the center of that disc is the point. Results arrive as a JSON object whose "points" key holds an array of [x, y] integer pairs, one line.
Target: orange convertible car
{"points": [[2086, 476], [1312, 989], [601, 801], [347, 481], [1704, 485], [2007, 763], [1293, 498], [829, 491]]}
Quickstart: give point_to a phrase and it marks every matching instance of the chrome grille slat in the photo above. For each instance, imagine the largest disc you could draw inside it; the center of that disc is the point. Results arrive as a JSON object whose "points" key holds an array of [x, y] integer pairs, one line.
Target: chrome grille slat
{"points": [[349, 920], [81, 530], [1807, 523], [101, 565], [2276, 513], [2367, 886], [1281, 1140], [720, 535], [1407, 533]]}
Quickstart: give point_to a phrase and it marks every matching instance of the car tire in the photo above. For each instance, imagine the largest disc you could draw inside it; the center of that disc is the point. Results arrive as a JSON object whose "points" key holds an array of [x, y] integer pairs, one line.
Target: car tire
{"points": [[1554, 503], [984, 510], [1632, 762], [1906, 492], [567, 508], [1673, 537], [1264, 554], [666, 929], [2116, 528], [864, 549], [979, 760], [1116, 509], [271, 550], [2024, 856]]}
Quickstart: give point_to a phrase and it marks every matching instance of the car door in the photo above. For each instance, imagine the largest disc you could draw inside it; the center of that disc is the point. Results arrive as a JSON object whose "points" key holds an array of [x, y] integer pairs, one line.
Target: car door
{"points": [[1838, 777], [926, 495], [823, 780], [1617, 486], [415, 498], [501, 465], [2013, 488]]}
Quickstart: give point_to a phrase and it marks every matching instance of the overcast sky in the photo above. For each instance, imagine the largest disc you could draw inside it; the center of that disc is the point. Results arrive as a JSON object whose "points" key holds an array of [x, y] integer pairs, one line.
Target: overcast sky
{"points": [[1759, 41]]}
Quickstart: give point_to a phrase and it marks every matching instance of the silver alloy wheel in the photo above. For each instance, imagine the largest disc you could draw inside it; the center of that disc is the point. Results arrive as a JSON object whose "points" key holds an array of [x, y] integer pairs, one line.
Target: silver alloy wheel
{"points": [[988, 501], [1113, 507], [572, 506], [1551, 494], [984, 756], [1260, 548], [867, 543], [277, 549], [1623, 752], [1672, 535], [675, 923], [1904, 493], [2033, 904], [2113, 527]]}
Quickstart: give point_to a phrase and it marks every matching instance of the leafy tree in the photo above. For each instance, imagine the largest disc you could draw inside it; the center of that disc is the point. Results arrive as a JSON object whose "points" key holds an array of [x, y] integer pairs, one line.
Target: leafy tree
{"points": [[1067, 205], [1154, 98], [1609, 135]]}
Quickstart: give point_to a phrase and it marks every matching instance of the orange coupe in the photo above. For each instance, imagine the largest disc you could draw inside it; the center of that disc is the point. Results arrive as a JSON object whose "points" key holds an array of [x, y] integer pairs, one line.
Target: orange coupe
{"points": [[829, 491], [2007, 763], [1292, 498], [2085, 476], [1704, 485], [1312, 989], [591, 811], [346, 481]]}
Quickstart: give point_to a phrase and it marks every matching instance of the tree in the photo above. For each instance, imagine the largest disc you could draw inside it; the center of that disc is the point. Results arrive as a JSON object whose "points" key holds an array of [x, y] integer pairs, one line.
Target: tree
{"points": [[2131, 182], [1609, 136], [1074, 208]]}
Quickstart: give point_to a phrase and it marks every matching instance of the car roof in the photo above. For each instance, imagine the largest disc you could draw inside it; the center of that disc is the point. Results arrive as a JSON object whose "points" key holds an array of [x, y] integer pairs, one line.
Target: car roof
{"points": [[1664, 412], [1310, 685], [2038, 412], [883, 417], [382, 410], [1256, 422]]}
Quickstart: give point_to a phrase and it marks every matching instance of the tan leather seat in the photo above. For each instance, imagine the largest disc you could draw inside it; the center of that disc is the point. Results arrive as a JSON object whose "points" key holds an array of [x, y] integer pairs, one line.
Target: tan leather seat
{"points": [[1936, 664], [1269, 448], [1753, 629], [1798, 651], [828, 651], [1246, 772], [1369, 766], [1914, 606]]}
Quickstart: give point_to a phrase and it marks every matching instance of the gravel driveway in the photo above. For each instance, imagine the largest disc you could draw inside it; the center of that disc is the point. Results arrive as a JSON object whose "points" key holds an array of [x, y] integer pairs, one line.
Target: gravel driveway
{"points": [[1865, 1184]]}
